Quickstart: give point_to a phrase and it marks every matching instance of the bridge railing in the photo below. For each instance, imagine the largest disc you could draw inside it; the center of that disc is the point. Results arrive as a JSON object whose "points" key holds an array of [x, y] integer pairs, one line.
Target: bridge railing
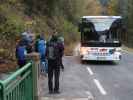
{"points": [[19, 85], [0, 92], [22, 84]]}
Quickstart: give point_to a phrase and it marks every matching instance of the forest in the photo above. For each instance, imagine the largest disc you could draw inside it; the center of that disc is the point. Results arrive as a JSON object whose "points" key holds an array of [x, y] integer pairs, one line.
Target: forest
{"points": [[44, 16]]}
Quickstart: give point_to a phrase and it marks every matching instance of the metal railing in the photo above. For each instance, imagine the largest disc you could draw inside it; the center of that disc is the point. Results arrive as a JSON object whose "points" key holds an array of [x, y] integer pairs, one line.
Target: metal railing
{"points": [[19, 85]]}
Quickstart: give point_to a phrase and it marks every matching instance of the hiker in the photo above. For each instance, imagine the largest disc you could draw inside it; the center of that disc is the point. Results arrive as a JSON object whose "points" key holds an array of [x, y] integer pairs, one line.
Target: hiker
{"points": [[61, 45], [21, 53], [40, 47], [28, 39], [53, 56]]}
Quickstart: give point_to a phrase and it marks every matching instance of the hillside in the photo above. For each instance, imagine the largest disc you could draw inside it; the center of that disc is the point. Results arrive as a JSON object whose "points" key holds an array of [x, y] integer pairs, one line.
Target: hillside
{"points": [[43, 16]]}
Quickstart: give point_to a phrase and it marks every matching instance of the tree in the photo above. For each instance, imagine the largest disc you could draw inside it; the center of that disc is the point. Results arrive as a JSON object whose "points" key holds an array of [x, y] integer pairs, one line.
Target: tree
{"points": [[113, 7], [48, 15], [93, 7], [125, 9]]}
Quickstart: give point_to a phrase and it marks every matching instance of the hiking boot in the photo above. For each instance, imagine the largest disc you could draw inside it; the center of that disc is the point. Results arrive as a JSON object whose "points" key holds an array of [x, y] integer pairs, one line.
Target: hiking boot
{"points": [[57, 92], [51, 92]]}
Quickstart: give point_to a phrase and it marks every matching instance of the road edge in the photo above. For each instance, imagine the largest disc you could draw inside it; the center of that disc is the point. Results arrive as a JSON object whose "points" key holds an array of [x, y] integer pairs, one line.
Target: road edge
{"points": [[127, 49]]}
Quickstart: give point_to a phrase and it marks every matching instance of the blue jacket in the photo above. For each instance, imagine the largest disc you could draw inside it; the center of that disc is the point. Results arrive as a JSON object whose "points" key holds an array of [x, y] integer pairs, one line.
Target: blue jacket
{"points": [[41, 46], [20, 52]]}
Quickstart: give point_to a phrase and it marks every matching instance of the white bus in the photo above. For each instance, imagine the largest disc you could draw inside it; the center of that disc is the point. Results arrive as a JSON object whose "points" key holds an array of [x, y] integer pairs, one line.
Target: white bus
{"points": [[100, 38]]}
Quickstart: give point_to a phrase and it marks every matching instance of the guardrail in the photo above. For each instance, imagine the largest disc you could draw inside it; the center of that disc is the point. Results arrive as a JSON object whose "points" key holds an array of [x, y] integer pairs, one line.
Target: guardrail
{"points": [[0, 92], [22, 84], [19, 85]]}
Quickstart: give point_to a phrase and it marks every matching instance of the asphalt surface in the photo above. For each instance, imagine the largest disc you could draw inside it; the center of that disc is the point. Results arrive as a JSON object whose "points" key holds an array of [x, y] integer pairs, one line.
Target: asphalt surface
{"points": [[73, 85], [117, 79], [102, 80]]}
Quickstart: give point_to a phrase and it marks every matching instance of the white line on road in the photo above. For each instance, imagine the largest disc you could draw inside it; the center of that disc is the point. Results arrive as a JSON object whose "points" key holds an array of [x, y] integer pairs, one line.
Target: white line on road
{"points": [[90, 71], [88, 93], [100, 87]]}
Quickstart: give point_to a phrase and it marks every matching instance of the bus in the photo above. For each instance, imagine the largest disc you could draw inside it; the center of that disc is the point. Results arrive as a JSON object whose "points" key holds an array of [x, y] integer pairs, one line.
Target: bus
{"points": [[100, 38]]}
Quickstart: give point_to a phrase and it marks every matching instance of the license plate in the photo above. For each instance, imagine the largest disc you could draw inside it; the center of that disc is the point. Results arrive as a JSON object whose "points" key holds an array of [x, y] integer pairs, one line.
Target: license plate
{"points": [[101, 58], [101, 54]]}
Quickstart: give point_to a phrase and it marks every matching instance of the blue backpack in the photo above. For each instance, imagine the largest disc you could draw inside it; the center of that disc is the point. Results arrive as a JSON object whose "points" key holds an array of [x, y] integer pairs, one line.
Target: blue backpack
{"points": [[21, 52], [42, 47]]}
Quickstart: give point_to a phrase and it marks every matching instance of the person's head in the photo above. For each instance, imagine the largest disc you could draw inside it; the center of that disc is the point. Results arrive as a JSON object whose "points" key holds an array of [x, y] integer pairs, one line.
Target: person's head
{"points": [[55, 32], [61, 39], [41, 38], [24, 35], [38, 36], [21, 43], [54, 37]]}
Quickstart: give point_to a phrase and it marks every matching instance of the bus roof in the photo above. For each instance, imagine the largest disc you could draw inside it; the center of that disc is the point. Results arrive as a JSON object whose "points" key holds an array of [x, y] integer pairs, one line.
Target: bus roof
{"points": [[94, 17]]}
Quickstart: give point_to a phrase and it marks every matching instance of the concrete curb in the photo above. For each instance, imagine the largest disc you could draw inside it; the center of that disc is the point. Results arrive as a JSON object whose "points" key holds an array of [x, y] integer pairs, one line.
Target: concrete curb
{"points": [[48, 98], [89, 97]]}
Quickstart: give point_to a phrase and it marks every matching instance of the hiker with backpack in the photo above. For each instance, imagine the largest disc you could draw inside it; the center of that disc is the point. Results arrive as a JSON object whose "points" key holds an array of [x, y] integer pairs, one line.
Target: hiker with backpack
{"points": [[54, 48], [40, 47], [28, 38], [21, 53]]}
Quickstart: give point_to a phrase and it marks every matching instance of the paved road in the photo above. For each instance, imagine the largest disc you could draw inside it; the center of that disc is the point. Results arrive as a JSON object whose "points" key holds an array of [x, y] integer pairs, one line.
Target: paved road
{"points": [[103, 80], [73, 84], [115, 80]]}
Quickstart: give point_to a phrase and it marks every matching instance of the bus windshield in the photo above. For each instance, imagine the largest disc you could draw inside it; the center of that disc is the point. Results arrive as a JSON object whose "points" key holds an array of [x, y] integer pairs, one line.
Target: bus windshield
{"points": [[101, 29]]}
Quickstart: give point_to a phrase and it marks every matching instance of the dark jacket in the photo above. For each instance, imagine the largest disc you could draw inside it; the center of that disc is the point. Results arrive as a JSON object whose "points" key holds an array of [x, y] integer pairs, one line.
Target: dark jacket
{"points": [[59, 51]]}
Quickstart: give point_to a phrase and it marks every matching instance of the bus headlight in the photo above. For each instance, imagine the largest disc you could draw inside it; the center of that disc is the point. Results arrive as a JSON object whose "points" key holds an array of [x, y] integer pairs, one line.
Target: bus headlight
{"points": [[118, 49], [83, 51]]}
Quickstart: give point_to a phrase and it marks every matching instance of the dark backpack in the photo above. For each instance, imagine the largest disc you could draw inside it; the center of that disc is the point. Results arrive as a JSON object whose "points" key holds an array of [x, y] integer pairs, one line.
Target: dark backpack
{"points": [[53, 51]]}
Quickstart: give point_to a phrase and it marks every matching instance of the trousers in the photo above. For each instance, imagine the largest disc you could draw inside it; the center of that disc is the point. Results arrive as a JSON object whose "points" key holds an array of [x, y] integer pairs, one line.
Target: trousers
{"points": [[53, 74]]}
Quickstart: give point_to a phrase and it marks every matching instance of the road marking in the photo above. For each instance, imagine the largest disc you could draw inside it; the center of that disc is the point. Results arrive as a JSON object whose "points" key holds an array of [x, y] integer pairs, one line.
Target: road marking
{"points": [[90, 71], [100, 87]]}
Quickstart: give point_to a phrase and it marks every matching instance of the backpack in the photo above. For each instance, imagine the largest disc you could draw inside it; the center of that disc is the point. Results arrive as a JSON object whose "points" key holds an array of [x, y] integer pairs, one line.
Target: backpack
{"points": [[41, 47], [53, 51], [21, 52]]}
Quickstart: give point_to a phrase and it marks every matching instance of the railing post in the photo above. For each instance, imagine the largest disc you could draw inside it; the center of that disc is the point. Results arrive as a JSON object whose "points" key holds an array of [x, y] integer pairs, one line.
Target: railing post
{"points": [[35, 73], [1, 92]]}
